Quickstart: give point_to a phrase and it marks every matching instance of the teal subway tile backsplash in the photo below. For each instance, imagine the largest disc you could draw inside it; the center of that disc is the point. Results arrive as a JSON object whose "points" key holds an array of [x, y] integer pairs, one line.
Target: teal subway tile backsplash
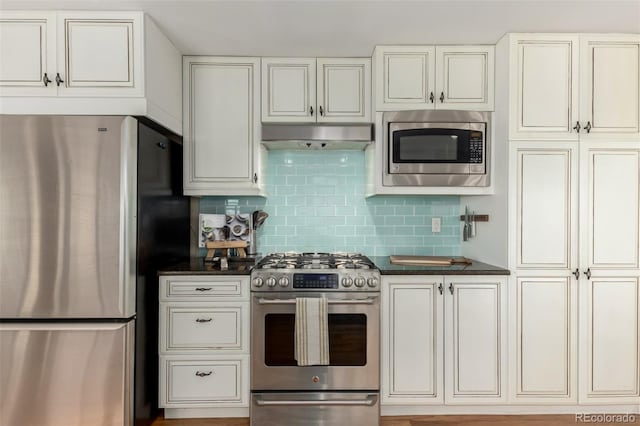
{"points": [[316, 202]]}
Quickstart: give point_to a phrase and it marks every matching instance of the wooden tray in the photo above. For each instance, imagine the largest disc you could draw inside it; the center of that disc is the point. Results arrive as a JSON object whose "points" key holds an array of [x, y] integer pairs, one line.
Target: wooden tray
{"points": [[428, 260]]}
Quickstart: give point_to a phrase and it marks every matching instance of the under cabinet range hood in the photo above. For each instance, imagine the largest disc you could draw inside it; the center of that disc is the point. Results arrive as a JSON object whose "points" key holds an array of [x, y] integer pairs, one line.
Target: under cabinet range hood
{"points": [[317, 136]]}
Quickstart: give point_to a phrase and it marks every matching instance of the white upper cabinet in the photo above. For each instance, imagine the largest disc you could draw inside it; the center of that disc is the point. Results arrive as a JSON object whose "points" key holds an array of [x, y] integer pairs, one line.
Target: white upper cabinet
{"points": [[464, 77], [544, 95], [82, 53], [89, 63], [115, 71], [428, 77], [221, 127], [570, 87], [404, 77], [310, 90], [610, 98], [26, 67], [344, 89], [289, 89]]}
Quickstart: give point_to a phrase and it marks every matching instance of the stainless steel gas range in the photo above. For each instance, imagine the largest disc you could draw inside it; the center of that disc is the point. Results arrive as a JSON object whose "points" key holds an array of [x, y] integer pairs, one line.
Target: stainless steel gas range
{"points": [[344, 392]]}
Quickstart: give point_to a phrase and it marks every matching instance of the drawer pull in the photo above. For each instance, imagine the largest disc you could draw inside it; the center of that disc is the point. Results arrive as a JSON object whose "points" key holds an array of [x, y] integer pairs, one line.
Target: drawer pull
{"points": [[204, 320], [203, 373], [203, 288]]}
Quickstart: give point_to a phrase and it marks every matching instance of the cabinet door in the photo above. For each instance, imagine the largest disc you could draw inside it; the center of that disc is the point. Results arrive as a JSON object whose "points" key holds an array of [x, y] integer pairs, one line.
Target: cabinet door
{"points": [[609, 340], [100, 54], [203, 381], [609, 86], [344, 89], [289, 89], [221, 129], [544, 340], [544, 78], [412, 340], [475, 337], [405, 77], [610, 208], [546, 204], [27, 53], [464, 77]]}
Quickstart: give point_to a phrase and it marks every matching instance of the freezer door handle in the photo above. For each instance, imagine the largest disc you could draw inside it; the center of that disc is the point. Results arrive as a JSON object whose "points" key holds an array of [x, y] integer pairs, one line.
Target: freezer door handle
{"points": [[368, 401]]}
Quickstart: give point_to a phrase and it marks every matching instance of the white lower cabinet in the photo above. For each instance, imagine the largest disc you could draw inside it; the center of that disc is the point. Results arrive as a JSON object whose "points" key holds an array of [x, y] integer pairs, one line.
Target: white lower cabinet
{"points": [[204, 346], [544, 325], [443, 340], [609, 342]]}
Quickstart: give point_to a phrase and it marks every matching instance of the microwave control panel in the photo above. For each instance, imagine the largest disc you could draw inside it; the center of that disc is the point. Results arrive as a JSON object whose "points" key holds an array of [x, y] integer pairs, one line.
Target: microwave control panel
{"points": [[476, 147]]}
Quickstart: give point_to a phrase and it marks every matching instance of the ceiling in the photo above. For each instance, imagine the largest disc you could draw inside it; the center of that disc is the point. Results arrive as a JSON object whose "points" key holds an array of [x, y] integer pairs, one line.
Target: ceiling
{"points": [[353, 28]]}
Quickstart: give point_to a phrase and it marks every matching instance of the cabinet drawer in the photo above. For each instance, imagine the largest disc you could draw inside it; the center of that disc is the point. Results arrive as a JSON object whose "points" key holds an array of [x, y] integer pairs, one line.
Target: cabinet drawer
{"points": [[203, 327], [203, 382], [183, 287]]}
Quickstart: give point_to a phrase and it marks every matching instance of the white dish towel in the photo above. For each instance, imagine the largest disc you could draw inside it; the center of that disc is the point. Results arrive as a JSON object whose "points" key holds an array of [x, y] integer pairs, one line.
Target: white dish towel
{"points": [[312, 331]]}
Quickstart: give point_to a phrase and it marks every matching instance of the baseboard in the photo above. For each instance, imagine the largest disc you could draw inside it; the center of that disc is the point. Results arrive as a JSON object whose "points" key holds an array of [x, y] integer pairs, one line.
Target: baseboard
{"points": [[193, 413], [408, 410]]}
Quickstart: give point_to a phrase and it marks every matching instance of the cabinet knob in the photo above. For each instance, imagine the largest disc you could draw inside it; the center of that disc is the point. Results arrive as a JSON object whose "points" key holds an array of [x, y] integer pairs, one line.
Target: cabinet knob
{"points": [[441, 97], [440, 288], [59, 79], [321, 111], [577, 127], [431, 97], [588, 273], [255, 178], [588, 127], [451, 287], [45, 80], [576, 273], [203, 373], [204, 319], [311, 110]]}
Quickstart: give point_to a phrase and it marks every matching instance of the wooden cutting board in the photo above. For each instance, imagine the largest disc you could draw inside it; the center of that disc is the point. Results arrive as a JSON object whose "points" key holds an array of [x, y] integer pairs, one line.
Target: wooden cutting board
{"points": [[428, 260]]}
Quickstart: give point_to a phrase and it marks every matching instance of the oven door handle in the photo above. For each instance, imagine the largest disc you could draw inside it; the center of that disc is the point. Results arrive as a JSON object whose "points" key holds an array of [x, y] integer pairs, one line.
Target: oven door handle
{"points": [[366, 301], [368, 401]]}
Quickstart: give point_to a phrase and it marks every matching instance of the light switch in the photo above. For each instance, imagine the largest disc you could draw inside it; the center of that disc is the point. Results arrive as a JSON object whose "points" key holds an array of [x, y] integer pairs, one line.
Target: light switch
{"points": [[435, 224]]}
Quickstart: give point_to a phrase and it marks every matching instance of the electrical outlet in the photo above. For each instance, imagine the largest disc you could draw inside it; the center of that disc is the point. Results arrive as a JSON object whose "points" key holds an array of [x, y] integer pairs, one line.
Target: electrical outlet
{"points": [[435, 224]]}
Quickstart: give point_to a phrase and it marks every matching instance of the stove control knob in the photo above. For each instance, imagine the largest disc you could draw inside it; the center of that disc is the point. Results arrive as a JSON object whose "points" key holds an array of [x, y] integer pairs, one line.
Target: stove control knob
{"points": [[271, 282], [372, 282], [283, 282], [257, 282], [360, 282], [347, 282]]}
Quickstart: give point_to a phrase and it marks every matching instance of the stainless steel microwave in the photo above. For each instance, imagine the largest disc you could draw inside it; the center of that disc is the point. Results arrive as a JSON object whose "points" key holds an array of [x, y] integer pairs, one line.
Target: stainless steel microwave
{"points": [[436, 148]]}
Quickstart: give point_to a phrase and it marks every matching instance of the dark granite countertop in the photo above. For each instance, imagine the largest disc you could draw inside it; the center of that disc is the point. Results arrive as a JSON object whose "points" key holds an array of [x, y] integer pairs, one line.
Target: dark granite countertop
{"points": [[476, 268], [197, 266]]}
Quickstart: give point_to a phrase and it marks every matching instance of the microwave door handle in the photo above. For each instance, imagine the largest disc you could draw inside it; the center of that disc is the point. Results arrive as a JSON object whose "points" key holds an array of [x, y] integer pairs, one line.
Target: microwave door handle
{"points": [[366, 301]]}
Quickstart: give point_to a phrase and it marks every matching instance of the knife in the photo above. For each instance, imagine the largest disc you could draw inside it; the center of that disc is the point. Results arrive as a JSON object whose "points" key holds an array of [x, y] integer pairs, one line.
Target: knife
{"points": [[465, 228]]}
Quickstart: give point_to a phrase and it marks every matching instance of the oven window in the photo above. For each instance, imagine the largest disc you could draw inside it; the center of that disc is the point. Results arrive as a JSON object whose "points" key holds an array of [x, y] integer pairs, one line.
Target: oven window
{"points": [[431, 146], [347, 340]]}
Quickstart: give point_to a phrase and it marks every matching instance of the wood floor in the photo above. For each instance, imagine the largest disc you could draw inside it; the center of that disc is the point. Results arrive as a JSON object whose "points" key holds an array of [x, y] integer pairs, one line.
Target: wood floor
{"points": [[538, 420]]}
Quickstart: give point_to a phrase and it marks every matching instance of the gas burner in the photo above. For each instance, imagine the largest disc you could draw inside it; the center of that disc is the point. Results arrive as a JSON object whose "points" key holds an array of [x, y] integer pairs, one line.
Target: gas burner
{"points": [[352, 265], [277, 265]]}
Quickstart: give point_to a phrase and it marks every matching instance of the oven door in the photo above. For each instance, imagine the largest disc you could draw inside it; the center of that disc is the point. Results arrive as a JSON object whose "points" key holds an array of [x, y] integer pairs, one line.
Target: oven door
{"points": [[354, 343]]}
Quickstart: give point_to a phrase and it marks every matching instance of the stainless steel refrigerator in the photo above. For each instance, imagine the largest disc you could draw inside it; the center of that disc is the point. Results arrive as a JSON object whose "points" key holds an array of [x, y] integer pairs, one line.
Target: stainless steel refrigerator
{"points": [[90, 207]]}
